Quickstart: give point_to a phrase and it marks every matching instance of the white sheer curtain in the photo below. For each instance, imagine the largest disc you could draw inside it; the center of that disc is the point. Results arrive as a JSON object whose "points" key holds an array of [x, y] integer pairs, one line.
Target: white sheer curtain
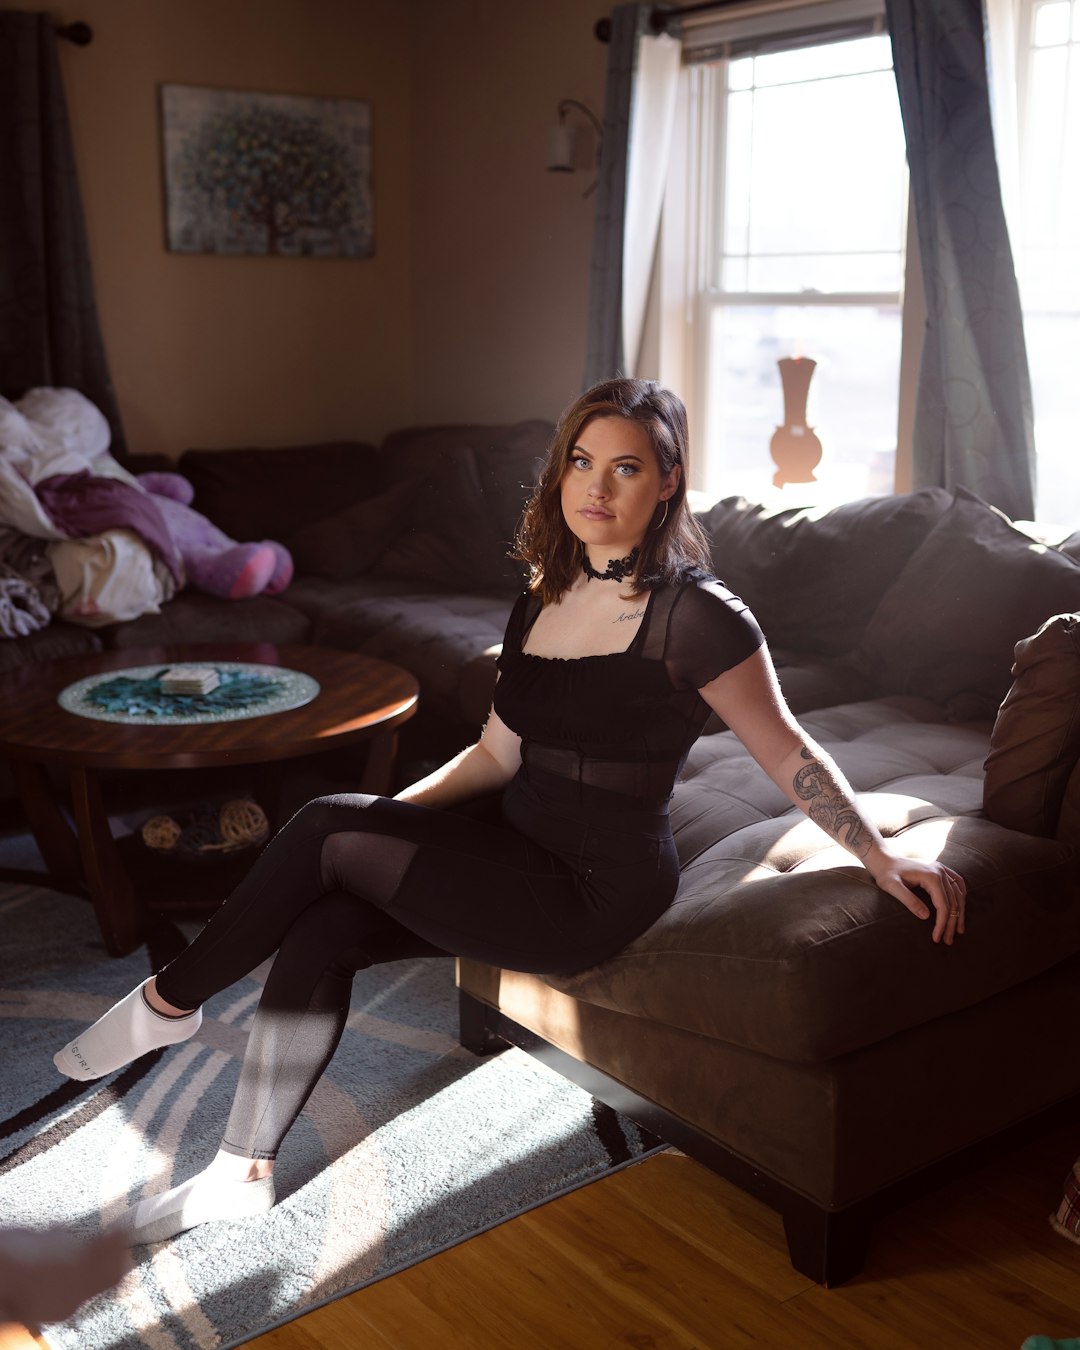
{"points": [[652, 119], [639, 114], [1001, 21]]}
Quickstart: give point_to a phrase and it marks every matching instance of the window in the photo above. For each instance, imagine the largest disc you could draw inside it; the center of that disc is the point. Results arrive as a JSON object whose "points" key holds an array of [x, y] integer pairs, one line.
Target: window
{"points": [[1048, 248], [800, 253]]}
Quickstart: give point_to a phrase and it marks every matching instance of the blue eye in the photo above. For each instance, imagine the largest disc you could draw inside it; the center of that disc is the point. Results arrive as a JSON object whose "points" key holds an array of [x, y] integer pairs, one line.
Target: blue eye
{"points": [[579, 460], [631, 469]]}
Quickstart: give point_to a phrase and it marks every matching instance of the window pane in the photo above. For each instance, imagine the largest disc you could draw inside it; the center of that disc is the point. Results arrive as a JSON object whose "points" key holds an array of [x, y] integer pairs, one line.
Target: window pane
{"points": [[839, 188], [814, 167], [852, 407], [1052, 343], [740, 132], [1052, 22], [824, 62], [844, 272]]}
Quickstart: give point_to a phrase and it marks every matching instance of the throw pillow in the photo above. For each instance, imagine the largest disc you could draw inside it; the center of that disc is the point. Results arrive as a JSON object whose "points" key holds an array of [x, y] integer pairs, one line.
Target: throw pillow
{"points": [[272, 493], [452, 543], [350, 542], [1036, 739], [471, 484], [947, 626], [814, 576]]}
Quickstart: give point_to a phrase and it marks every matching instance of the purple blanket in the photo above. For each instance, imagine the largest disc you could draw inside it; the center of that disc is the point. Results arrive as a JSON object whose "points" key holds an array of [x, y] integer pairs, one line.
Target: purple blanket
{"points": [[81, 504]]}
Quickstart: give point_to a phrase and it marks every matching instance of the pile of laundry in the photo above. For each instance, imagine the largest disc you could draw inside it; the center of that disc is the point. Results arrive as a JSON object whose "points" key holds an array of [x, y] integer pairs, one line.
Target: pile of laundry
{"points": [[79, 537], [83, 539]]}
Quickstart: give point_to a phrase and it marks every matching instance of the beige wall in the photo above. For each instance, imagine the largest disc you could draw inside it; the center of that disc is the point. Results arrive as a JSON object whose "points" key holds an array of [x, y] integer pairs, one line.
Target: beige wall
{"points": [[502, 247], [217, 351], [473, 307]]}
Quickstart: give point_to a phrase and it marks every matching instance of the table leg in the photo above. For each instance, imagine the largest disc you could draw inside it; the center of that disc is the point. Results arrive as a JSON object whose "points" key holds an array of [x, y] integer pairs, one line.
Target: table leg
{"points": [[56, 840], [115, 903], [382, 751]]}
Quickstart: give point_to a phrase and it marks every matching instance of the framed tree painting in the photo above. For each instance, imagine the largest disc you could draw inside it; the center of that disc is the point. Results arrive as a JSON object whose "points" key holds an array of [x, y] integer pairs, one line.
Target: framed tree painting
{"points": [[269, 174]]}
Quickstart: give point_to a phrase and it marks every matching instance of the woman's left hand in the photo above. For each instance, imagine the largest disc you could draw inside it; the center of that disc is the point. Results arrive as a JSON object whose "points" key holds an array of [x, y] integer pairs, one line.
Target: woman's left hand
{"points": [[897, 874]]}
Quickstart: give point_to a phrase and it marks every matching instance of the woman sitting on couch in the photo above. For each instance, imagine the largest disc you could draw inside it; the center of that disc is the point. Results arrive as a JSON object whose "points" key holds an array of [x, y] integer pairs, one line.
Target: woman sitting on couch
{"points": [[612, 662]]}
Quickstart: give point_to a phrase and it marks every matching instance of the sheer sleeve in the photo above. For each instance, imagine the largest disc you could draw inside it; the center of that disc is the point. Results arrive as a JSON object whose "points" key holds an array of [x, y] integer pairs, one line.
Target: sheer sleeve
{"points": [[709, 631], [515, 627]]}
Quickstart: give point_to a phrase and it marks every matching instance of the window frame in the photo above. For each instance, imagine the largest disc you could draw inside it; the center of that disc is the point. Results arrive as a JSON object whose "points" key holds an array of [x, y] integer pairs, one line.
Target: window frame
{"points": [[693, 214]]}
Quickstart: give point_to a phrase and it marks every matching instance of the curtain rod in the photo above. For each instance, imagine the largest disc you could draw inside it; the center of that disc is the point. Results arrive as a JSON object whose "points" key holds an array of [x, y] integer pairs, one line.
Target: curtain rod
{"points": [[659, 17], [81, 34]]}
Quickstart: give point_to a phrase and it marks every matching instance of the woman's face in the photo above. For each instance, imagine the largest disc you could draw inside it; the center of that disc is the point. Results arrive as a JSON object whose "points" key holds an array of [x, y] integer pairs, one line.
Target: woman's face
{"points": [[611, 486]]}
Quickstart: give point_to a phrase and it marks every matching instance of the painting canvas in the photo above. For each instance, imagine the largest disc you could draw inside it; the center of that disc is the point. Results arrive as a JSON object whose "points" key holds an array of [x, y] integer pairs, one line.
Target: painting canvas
{"points": [[270, 174]]}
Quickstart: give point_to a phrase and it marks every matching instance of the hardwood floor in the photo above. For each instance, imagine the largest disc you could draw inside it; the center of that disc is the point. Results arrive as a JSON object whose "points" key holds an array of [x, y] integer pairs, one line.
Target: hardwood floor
{"points": [[666, 1256]]}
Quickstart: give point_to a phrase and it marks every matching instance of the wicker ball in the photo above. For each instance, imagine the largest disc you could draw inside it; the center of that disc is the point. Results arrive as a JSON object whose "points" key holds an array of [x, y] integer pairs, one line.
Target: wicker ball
{"points": [[161, 833], [243, 822]]}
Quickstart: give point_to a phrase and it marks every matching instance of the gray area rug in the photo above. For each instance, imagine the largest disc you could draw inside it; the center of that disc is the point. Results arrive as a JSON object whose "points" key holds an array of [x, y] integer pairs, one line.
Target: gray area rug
{"points": [[409, 1144]]}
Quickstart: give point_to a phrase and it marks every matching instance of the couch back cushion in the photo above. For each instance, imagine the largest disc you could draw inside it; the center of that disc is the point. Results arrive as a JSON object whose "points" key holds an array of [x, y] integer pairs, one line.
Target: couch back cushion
{"points": [[814, 576], [947, 626], [350, 542], [271, 494], [469, 484], [1035, 745]]}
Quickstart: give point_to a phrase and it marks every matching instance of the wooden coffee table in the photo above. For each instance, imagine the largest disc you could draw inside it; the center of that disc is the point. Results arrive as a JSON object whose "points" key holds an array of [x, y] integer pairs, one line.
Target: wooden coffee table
{"points": [[360, 699]]}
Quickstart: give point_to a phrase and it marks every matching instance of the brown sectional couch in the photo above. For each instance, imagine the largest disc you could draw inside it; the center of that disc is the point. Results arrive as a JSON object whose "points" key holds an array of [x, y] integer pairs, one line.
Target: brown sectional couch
{"points": [[785, 1021]]}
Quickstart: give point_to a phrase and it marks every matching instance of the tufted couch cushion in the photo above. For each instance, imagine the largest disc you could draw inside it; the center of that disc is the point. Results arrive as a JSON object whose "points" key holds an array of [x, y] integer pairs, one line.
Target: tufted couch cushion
{"points": [[194, 617], [779, 942], [446, 641]]}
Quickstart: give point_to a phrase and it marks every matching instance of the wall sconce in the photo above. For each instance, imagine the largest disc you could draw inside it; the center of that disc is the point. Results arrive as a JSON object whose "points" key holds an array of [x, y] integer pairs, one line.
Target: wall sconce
{"points": [[562, 139]]}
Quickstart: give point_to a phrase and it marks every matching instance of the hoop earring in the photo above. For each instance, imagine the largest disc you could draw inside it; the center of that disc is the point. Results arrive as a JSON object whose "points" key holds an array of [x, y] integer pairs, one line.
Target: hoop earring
{"points": [[663, 517]]}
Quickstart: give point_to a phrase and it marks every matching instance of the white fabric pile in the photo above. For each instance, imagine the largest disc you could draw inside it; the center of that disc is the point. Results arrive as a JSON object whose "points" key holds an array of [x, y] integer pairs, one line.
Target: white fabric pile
{"points": [[107, 578]]}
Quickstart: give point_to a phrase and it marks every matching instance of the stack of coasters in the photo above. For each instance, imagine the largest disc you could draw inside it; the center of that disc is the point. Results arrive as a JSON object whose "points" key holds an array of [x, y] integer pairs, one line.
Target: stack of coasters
{"points": [[190, 680]]}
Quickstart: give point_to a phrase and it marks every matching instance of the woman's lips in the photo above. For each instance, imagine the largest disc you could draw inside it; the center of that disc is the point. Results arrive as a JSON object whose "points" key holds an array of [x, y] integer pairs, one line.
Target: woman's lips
{"points": [[593, 513]]}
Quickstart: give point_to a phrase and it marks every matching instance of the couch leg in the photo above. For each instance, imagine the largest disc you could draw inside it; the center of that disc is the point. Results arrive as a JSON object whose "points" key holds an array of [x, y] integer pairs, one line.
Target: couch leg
{"points": [[828, 1246], [474, 1030]]}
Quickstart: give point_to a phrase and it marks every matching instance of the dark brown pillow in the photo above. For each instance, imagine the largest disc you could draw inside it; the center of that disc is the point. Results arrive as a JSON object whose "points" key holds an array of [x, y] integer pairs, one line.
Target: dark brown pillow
{"points": [[947, 626], [346, 544], [1036, 739], [471, 484], [452, 543], [814, 576], [273, 493]]}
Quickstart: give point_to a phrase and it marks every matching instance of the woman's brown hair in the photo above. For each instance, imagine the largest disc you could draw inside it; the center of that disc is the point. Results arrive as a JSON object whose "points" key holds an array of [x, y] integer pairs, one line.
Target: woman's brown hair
{"points": [[674, 546]]}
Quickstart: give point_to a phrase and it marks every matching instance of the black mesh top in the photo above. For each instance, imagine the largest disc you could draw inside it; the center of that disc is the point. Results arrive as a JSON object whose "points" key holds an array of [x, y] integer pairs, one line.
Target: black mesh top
{"points": [[626, 721]]}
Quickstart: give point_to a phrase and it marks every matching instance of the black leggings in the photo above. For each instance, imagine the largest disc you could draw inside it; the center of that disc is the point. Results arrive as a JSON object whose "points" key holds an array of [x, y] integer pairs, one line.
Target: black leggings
{"points": [[353, 881]]}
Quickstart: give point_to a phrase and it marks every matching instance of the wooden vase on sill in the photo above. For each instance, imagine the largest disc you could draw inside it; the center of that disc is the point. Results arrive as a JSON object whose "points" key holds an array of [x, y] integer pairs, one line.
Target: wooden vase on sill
{"points": [[795, 449]]}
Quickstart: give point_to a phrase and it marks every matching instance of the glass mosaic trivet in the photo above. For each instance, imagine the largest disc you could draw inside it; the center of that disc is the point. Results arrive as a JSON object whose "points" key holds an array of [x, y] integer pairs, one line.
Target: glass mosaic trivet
{"points": [[135, 696]]}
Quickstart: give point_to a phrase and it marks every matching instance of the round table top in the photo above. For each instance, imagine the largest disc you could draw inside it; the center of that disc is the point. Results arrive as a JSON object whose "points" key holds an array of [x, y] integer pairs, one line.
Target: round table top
{"points": [[358, 695]]}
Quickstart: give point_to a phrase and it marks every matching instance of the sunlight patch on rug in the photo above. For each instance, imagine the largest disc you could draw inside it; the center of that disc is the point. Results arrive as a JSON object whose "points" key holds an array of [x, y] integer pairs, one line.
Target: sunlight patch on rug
{"points": [[407, 1145]]}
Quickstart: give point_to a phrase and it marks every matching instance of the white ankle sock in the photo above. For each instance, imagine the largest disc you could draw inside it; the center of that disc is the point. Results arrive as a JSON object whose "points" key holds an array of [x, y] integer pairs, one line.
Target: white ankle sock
{"points": [[129, 1029], [206, 1198]]}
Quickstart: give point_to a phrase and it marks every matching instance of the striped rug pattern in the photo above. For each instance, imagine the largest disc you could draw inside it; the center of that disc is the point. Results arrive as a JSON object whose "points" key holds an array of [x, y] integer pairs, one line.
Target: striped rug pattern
{"points": [[408, 1145]]}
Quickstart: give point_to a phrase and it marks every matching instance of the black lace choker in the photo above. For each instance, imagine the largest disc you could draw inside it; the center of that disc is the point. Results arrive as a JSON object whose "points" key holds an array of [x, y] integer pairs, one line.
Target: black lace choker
{"points": [[618, 569]]}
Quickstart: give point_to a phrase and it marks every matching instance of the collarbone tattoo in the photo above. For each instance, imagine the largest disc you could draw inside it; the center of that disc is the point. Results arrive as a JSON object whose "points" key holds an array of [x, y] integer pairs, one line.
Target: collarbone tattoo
{"points": [[628, 618]]}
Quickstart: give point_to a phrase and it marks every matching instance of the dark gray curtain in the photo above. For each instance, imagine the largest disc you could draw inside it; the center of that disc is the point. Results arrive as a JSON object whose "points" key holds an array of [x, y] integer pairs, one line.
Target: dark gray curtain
{"points": [[973, 417], [49, 331], [604, 356]]}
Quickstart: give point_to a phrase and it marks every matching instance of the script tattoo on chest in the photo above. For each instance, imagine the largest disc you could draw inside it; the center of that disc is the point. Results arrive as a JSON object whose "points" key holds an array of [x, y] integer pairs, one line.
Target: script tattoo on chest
{"points": [[829, 807], [628, 618]]}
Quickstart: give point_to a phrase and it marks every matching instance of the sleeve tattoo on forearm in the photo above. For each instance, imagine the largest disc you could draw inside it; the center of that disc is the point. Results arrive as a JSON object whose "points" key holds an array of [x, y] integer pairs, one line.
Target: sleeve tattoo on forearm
{"points": [[830, 807]]}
